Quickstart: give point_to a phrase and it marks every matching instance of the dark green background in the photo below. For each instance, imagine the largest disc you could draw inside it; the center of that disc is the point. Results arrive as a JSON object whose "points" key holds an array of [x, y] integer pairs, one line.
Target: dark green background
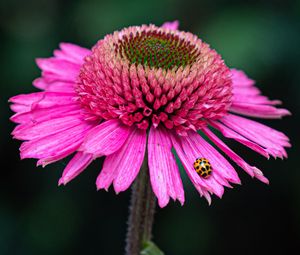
{"points": [[37, 217]]}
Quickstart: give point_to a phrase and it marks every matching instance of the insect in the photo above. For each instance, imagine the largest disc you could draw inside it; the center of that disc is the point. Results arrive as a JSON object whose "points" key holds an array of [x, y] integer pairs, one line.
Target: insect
{"points": [[203, 167]]}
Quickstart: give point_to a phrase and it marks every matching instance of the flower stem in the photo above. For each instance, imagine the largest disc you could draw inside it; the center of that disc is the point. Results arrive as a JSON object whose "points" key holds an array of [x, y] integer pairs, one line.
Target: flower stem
{"points": [[141, 212]]}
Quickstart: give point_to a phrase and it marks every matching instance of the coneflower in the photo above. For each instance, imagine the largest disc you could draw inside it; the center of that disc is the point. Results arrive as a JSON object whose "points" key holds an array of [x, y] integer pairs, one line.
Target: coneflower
{"points": [[146, 89]]}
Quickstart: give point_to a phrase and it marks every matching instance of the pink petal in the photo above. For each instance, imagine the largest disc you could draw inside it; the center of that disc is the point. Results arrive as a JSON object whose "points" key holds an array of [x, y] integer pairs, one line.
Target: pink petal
{"points": [[259, 111], [247, 99], [228, 133], [105, 138], [60, 86], [27, 99], [251, 170], [201, 187], [173, 25], [195, 146], [40, 83], [164, 172], [245, 91], [55, 146], [72, 53], [240, 79], [30, 131], [122, 167], [254, 99], [271, 139], [43, 99], [260, 176], [54, 86], [19, 108], [60, 69], [38, 115], [131, 157], [76, 165]]}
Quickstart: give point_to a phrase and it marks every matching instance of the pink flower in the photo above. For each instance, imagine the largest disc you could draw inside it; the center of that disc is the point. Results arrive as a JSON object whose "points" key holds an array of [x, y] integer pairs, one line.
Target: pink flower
{"points": [[147, 86]]}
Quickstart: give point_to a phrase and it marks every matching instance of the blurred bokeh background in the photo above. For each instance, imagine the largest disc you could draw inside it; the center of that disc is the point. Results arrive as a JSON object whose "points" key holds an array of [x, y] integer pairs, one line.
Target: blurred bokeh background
{"points": [[37, 217]]}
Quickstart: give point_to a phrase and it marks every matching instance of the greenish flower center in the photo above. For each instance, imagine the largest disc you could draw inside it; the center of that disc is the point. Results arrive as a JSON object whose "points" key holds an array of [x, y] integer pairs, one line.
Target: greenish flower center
{"points": [[157, 49]]}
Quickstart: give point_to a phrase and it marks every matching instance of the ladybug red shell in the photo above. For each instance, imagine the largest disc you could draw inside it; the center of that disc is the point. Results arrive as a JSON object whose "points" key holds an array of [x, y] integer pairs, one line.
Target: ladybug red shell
{"points": [[203, 167]]}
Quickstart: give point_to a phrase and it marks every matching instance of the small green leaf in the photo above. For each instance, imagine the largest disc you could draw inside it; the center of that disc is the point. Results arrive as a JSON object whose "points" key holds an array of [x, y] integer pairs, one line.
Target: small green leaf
{"points": [[150, 248]]}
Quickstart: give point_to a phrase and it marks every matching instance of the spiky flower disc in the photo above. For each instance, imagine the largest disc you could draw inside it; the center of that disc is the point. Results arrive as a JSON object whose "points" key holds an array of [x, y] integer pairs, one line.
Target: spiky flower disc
{"points": [[156, 47], [150, 75], [146, 87]]}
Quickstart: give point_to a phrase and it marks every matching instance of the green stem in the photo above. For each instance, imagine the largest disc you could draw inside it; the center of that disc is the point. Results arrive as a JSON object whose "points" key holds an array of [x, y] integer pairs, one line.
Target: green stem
{"points": [[141, 212]]}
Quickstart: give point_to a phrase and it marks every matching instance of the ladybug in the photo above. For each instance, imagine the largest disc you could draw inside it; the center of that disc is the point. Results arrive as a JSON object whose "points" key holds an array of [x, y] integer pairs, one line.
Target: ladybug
{"points": [[203, 167]]}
